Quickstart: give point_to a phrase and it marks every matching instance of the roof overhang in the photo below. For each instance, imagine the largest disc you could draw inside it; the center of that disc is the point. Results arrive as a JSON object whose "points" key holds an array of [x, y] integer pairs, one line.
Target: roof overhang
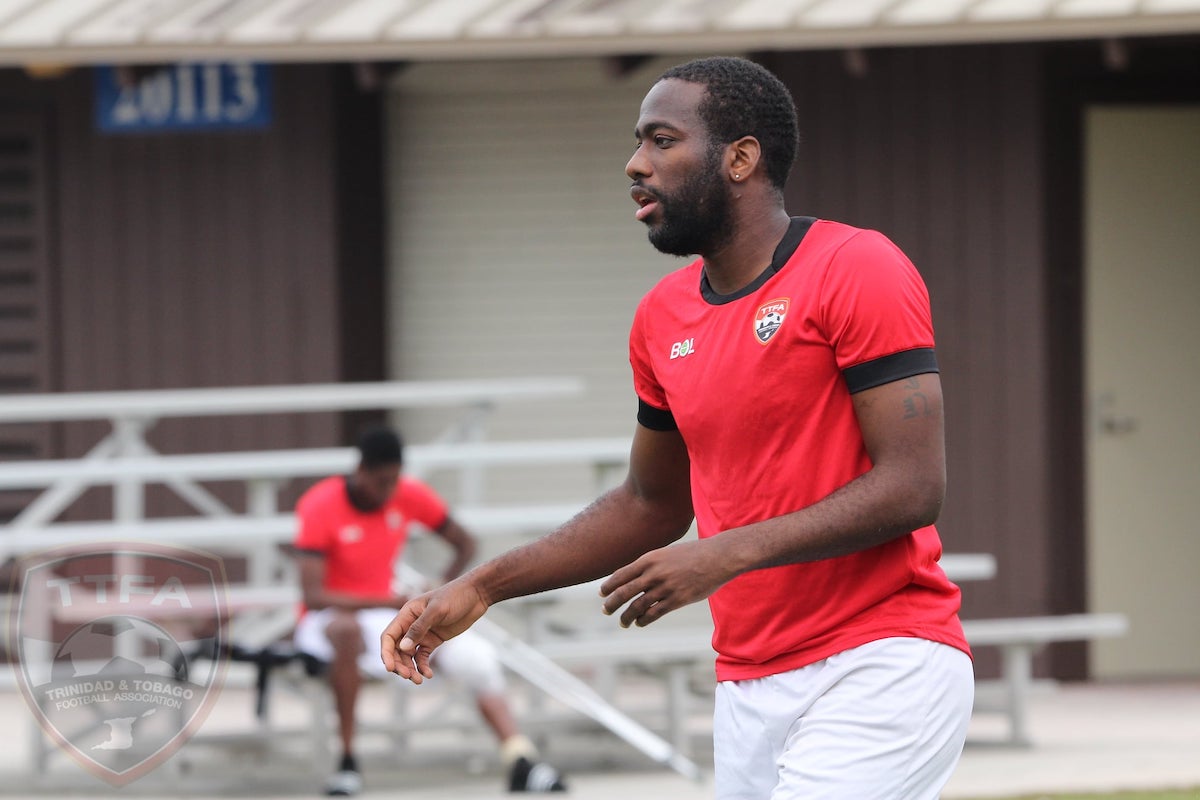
{"points": [[72, 32]]}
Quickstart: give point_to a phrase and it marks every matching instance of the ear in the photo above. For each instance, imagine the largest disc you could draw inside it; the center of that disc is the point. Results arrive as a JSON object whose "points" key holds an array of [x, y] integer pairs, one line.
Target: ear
{"points": [[742, 158]]}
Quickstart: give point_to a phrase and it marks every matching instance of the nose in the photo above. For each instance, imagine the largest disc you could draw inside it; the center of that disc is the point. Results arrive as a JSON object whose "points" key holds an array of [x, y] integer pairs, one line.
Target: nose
{"points": [[638, 166]]}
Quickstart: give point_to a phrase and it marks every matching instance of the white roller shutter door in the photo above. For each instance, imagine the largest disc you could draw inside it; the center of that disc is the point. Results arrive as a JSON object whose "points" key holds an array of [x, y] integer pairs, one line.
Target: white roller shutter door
{"points": [[514, 249]]}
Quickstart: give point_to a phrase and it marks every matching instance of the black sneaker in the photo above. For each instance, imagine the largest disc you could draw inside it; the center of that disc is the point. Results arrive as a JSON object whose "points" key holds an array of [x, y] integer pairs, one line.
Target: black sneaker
{"points": [[534, 776]]}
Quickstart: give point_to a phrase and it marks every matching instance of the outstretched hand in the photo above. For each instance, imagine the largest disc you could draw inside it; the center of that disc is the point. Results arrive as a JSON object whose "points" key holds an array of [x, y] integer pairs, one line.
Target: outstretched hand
{"points": [[424, 623]]}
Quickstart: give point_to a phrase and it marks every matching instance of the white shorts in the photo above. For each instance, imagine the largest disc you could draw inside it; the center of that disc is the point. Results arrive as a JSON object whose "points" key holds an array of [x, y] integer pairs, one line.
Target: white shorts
{"points": [[468, 658], [884, 721]]}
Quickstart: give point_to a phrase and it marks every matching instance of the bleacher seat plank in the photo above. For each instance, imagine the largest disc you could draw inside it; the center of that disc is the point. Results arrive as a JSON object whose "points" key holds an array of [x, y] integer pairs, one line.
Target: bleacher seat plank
{"points": [[1019, 638], [312, 462]]}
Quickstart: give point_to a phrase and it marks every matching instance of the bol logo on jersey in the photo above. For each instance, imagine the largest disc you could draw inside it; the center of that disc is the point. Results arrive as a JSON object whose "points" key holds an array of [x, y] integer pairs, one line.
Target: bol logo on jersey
{"points": [[769, 318], [684, 348]]}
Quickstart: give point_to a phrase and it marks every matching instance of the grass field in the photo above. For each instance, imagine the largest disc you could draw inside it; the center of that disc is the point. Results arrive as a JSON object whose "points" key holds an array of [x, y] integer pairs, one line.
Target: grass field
{"points": [[1180, 794]]}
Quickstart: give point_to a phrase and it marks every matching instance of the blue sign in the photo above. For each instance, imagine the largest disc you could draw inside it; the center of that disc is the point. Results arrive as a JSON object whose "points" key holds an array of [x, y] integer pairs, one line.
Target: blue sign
{"points": [[184, 97]]}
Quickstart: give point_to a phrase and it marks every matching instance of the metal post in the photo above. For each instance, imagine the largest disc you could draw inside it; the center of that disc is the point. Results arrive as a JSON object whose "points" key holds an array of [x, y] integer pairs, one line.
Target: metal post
{"points": [[1018, 671], [50, 503], [129, 493], [471, 483], [129, 506], [262, 501]]}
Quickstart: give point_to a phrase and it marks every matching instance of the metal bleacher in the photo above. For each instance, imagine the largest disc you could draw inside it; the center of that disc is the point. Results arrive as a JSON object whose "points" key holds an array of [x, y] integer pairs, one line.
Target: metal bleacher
{"points": [[262, 608]]}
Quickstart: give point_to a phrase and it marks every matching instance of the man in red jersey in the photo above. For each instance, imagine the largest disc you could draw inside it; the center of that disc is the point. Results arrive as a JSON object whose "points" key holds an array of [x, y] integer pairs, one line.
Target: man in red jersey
{"points": [[352, 530], [789, 403]]}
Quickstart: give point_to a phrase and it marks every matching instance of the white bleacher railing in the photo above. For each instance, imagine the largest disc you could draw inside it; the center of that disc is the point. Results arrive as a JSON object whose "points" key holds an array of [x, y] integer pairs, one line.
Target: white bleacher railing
{"points": [[132, 414], [124, 460]]}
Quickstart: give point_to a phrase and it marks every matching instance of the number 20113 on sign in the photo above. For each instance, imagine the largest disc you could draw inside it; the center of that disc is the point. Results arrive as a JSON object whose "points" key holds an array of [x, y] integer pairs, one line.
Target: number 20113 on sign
{"points": [[184, 96]]}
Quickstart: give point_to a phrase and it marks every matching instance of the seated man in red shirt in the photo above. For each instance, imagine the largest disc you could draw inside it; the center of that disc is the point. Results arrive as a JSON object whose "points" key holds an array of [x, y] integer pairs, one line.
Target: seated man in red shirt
{"points": [[352, 530]]}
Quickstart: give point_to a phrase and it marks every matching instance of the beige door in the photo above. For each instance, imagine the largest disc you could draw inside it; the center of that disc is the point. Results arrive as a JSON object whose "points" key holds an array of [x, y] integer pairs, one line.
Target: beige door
{"points": [[1142, 256]]}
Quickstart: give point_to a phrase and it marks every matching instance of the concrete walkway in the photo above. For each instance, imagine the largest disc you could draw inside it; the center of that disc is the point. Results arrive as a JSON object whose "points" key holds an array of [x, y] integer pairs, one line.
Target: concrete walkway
{"points": [[1088, 738]]}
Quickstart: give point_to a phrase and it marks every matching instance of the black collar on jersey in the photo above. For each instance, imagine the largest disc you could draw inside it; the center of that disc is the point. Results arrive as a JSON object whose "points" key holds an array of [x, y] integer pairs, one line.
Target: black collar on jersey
{"points": [[786, 247]]}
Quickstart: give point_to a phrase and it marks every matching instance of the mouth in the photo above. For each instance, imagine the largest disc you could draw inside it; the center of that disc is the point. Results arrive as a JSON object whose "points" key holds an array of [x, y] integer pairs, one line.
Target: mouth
{"points": [[646, 200]]}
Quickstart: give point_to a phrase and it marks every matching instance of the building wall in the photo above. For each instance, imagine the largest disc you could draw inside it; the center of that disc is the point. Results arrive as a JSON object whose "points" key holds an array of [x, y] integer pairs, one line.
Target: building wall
{"points": [[192, 260], [514, 248], [940, 148], [969, 157], [218, 260], [26, 249], [1147, 73]]}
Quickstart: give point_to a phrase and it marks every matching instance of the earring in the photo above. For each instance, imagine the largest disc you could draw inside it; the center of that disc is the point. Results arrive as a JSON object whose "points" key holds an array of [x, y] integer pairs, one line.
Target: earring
{"points": [[737, 177]]}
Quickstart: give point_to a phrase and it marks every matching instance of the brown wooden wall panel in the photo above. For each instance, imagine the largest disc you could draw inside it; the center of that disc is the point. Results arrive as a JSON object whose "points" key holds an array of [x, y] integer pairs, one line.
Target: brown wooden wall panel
{"points": [[26, 308], [940, 148], [196, 259], [241, 258], [212, 259]]}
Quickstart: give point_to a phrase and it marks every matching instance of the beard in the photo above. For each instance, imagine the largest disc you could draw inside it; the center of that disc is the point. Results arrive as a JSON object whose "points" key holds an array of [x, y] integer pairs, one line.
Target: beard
{"points": [[698, 216]]}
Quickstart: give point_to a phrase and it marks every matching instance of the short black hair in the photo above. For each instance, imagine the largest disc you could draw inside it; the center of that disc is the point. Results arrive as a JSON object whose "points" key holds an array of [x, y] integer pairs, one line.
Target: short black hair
{"points": [[380, 446], [745, 99]]}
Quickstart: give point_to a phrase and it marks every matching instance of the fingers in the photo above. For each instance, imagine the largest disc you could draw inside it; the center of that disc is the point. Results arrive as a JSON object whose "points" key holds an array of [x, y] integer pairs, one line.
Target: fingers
{"points": [[399, 648], [629, 585], [396, 662], [620, 588], [643, 611], [421, 660]]}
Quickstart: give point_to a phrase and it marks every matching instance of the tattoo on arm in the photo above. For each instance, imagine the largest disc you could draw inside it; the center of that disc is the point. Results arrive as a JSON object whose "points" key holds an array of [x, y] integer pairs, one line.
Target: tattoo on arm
{"points": [[916, 404]]}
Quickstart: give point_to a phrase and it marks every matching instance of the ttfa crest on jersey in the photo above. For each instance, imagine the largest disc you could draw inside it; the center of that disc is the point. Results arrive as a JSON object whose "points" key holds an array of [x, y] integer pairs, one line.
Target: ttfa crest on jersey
{"points": [[769, 318]]}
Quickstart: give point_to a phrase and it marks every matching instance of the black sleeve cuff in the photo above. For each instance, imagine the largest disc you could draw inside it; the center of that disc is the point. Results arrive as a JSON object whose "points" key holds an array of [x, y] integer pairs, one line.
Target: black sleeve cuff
{"points": [[895, 367], [656, 419]]}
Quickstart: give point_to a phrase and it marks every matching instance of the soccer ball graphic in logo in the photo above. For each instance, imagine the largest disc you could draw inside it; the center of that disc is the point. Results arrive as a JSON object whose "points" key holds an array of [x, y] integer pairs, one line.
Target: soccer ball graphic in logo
{"points": [[119, 647], [120, 690], [770, 320], [767, 323]]}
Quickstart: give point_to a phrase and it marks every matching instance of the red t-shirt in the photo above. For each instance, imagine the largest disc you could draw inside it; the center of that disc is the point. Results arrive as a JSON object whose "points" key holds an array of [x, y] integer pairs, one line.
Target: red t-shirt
{"points": [[759, 384], [361, 547]]}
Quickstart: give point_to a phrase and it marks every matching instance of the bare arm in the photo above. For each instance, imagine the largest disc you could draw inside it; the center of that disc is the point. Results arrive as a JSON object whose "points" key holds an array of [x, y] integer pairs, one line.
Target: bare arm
{"points": [[901, 424], [651, 509], [463, 544]]}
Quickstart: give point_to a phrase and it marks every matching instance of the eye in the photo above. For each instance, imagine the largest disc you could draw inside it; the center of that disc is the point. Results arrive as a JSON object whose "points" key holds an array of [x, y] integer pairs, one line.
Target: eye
{"points": [[662, 141]]}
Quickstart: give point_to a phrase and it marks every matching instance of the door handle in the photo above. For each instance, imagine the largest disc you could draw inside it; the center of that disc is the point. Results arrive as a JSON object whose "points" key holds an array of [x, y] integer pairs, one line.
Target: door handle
{"points": [[1118, 425], [1109, 420]]}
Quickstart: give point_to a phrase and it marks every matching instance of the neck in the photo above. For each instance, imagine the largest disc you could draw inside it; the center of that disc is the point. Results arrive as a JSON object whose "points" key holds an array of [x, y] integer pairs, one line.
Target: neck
{"points": [[745, 254], [355, 496]]}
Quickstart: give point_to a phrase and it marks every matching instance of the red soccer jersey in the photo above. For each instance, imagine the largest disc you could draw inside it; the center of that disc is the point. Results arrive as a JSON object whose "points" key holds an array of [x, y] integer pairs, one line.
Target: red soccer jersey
{"points": [[361, 547], [759, 384]]}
